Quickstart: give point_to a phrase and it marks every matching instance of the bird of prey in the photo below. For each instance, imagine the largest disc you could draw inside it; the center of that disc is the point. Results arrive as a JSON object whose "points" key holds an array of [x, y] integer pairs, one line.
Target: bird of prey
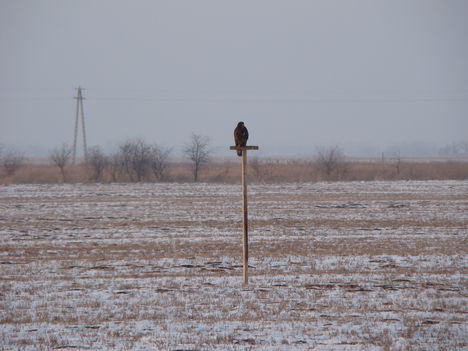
{"points": [[241, 134]]}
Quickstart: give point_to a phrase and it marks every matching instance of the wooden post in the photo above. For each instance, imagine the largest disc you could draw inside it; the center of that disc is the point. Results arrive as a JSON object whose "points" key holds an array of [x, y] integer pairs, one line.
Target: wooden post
{"points": [[245, 219]]}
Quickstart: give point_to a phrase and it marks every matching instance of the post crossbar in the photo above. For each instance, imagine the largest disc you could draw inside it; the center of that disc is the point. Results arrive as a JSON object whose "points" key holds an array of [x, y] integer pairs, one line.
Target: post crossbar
{"points": [[243, 148]]}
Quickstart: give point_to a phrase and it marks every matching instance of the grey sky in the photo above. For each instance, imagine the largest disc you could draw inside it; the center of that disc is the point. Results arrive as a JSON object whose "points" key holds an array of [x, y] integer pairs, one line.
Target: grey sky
{"points": [[298, 73]]}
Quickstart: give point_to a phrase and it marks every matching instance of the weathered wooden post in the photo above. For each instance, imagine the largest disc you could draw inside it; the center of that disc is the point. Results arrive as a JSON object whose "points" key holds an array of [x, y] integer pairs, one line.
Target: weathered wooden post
{"points": [[245, 220]]}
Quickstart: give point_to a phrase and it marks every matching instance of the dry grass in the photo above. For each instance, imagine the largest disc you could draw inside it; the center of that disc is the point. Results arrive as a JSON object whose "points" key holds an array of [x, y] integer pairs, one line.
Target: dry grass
{"points": [[261, 171], [157, 266]]}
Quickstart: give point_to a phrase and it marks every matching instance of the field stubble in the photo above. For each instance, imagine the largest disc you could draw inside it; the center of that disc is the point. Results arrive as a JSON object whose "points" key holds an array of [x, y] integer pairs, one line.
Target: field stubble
{"points": [[334, 266]]}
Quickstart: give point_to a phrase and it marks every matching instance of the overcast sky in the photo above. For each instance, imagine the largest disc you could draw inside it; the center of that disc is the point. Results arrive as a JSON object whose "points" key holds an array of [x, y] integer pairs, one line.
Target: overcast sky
{"points": [[299, 73]]}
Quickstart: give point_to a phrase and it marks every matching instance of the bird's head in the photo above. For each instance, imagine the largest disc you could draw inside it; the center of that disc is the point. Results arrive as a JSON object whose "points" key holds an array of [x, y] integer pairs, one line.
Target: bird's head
{"points": [[240, 124]]}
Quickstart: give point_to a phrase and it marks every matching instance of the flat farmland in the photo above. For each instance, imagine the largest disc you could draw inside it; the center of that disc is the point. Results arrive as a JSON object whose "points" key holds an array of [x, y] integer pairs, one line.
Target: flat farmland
{"points": [[333, 266]]}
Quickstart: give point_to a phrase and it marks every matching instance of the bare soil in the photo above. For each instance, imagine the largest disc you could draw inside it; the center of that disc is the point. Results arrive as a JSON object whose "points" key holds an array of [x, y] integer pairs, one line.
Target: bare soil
{"points": [[333, 266]]}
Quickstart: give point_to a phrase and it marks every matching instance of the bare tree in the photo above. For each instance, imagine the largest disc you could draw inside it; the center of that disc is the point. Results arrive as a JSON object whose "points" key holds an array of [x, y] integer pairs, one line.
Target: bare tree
{"points": [[331, 161], [11, 162], [159, 161], [60, 157], [96, 162], [135, 159], [116, 166], [198, 151], [124, 159], [140, 159]]}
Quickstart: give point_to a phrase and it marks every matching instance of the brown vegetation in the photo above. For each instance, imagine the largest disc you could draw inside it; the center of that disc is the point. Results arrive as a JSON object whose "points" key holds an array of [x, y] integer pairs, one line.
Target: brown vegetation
{"points": [[260, 171], [157, 266]]}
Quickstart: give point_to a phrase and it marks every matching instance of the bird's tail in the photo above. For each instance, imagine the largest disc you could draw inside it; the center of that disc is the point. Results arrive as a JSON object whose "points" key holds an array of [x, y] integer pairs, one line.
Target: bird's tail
{"points": [[239, 152]]}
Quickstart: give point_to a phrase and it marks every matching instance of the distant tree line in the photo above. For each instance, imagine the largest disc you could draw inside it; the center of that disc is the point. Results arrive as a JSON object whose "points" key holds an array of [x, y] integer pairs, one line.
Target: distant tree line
{"points": [[136, 160], [11, 161]]}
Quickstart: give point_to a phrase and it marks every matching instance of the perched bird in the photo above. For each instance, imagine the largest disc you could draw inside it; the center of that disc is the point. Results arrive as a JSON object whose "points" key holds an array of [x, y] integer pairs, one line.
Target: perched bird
{"points": [[241, 134]]}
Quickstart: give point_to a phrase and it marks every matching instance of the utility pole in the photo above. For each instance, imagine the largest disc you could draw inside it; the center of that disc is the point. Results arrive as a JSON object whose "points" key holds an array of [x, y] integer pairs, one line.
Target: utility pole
{"points": [[79, 113], [245, 219]]}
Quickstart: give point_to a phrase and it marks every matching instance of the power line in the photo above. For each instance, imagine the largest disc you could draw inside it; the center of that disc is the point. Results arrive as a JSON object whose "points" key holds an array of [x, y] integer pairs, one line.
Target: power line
{"points": [[32, 98], [259, 100], [251, 100]]}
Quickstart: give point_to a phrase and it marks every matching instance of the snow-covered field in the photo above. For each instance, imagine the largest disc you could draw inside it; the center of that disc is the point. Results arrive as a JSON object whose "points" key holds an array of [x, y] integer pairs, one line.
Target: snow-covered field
{"points": [[338, 266]]}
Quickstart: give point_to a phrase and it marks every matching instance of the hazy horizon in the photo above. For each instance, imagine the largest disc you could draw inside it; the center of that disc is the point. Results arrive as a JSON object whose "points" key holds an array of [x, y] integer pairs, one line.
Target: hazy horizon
{"points": [[365, 75]]}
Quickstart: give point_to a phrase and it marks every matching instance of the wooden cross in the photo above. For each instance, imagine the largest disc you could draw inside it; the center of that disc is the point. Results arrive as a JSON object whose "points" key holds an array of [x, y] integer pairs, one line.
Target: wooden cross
{"points": [[245, 223]]}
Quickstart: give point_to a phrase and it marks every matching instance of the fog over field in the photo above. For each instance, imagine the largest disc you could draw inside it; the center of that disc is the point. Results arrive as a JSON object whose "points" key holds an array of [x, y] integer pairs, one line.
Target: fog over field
{"points": [[370, 76]]}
